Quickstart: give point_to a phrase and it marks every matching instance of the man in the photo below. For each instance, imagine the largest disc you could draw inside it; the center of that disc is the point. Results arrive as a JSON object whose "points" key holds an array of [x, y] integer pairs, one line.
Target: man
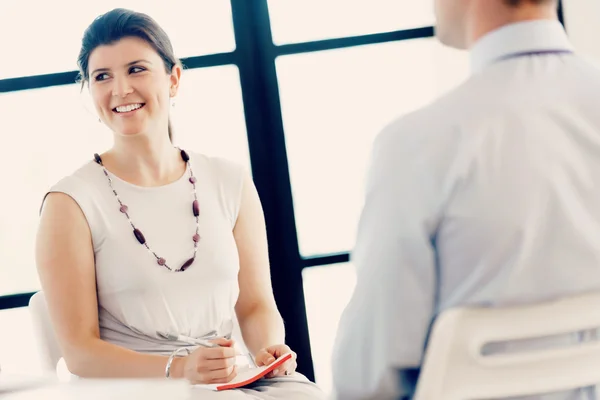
{"points": [[489, 196]]}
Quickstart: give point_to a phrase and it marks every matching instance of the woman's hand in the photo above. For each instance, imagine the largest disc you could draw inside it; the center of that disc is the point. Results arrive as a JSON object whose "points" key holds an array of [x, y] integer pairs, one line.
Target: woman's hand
{"points": [[270, 354], [211, 365]]}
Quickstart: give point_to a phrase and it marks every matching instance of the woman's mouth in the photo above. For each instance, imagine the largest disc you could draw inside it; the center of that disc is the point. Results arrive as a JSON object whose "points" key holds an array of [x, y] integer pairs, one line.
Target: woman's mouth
{"points": [[128, 109]]}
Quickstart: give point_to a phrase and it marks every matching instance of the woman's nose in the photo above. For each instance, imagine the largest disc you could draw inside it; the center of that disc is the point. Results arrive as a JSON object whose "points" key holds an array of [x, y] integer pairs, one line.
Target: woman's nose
{"points": [[121, 87]]}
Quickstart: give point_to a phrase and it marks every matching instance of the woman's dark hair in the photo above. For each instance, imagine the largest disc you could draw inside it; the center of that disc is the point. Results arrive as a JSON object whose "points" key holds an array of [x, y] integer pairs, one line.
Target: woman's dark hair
{"points": [[121, 23]]}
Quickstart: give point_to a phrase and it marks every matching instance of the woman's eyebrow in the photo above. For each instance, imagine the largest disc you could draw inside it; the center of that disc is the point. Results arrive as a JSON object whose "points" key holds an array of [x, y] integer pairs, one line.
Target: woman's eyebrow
{"points": [[127, 65]]}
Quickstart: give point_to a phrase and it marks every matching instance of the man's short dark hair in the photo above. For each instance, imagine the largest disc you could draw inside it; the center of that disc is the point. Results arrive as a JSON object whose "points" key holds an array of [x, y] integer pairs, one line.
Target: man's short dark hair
{"points": [[517, 3]]}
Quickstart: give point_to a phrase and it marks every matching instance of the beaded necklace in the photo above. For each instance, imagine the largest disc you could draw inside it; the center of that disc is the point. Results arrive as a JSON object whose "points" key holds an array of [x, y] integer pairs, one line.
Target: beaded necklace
{"points": [[138, 233]]}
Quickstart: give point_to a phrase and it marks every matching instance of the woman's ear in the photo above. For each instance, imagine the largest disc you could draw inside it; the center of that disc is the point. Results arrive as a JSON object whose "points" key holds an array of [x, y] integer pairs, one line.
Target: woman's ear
{"points": [[175, 77]]}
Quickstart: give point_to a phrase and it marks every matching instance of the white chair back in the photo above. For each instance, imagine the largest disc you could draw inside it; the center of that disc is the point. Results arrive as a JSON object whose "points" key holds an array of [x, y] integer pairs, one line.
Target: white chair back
{"points": [[454, 367], [50, 352]]}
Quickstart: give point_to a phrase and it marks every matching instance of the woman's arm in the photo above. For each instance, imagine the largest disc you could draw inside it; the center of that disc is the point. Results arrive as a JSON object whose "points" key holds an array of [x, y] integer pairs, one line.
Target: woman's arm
{"points": [[65, 261], [260, 321]]}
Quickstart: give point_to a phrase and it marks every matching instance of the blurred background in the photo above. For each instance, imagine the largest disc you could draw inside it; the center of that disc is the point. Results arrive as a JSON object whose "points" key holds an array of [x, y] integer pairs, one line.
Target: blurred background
{"points": [[295, 90]]}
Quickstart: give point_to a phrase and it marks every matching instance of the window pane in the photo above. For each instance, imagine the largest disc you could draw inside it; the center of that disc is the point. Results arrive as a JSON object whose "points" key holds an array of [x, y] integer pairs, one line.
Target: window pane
{"points": [[48, 40], [51, 133], [334, 103], [63, 133], [208, 116], [294, 21], [323, 311]]}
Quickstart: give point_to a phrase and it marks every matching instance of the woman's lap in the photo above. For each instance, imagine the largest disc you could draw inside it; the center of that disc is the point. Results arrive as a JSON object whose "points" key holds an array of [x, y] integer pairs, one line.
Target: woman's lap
{"points": [[295, 387]]}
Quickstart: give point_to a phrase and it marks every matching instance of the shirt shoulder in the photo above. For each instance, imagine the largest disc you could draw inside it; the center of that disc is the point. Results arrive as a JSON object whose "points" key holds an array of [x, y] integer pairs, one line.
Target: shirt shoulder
{"points": [[440, 119], [426, 150], [219, 167], [80, 179], [458, 115], [82, 186], [228, 179]]}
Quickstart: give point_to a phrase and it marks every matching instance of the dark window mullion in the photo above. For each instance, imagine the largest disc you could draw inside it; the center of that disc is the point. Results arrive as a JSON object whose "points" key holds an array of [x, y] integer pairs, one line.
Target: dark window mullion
{"points": [[15, 300], [326, 259], [339, 43], [69, 77], [268, 156]]}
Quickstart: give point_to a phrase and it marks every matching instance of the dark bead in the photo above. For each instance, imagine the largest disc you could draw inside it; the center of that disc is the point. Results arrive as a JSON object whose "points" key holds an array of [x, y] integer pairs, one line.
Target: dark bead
{"points": [[161, 261], [196, 208], [187, 264], [139, 236], [97, 158], [193, 179], [123, 208], [185, 156], [196, 238]]}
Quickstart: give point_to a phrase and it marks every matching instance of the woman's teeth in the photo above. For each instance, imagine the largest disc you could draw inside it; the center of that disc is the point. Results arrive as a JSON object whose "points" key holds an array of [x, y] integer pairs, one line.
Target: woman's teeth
{"points": [[128, 108]]}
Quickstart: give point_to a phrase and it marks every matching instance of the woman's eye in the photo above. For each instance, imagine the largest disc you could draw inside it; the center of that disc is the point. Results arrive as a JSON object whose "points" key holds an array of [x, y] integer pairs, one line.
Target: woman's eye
{"points": [[101, 77], [135, 70]]}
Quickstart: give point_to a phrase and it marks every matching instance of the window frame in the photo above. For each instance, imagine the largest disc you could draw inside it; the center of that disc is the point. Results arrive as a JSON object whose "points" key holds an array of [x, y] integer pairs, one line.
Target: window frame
{"points": [[255, 55]]}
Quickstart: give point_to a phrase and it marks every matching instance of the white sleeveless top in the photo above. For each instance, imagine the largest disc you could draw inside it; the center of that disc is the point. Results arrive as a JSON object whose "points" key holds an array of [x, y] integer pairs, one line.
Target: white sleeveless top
{"points": [[137, 297]]}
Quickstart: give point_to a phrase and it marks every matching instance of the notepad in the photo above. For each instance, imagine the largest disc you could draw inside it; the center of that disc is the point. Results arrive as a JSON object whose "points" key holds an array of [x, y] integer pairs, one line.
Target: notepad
{"points": [[247, 376]]}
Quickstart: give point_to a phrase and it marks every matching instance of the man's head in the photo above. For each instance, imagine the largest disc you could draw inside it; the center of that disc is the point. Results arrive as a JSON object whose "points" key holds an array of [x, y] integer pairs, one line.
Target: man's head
{"points": [[459, 23]]}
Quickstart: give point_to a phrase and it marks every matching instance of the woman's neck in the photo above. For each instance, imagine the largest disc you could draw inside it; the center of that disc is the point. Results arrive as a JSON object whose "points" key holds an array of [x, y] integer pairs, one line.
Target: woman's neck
{"points": [[145, 162]]}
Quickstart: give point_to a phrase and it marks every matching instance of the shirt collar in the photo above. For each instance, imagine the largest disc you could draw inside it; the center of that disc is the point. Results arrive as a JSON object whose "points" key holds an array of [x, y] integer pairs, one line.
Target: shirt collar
{"points": [[539, 35]]}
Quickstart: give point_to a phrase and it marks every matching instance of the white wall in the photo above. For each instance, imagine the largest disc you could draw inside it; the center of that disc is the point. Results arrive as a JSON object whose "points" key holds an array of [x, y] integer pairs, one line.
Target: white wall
{"points": [[582, 21]]}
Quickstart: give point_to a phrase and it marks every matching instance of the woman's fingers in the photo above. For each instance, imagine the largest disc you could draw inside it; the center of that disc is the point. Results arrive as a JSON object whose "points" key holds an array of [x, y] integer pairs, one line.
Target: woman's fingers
{"points": [[213, 365], [218, 353], [218, 364], [221, 376]]}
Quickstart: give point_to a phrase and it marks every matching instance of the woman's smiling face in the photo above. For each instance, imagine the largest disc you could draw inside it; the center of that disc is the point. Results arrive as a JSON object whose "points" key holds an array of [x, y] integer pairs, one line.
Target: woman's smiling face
{"points": [[130, 86]]}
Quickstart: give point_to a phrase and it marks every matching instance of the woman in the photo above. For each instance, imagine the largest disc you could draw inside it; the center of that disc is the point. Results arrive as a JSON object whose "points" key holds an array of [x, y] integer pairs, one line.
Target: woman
{"points": [[147, 241]]}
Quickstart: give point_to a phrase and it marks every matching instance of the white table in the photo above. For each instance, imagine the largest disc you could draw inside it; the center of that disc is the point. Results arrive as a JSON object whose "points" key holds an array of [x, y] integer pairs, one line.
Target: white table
{"points": [[97, 389], [129, 389], [121, 389]]}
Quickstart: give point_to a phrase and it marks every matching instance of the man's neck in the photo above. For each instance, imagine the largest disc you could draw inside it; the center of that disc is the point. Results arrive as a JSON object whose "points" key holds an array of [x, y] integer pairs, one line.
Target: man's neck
{"points": [[487, 17]]}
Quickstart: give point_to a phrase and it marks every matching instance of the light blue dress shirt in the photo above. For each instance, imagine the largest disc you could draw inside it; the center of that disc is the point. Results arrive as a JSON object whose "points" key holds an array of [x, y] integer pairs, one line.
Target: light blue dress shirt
{"points": [[490, 196]]}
